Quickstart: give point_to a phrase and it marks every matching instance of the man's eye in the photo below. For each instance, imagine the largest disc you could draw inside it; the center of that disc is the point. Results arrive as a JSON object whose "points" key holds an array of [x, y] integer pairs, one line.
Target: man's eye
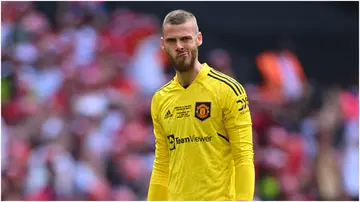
{"points": [[170, 40], [186, 39]]}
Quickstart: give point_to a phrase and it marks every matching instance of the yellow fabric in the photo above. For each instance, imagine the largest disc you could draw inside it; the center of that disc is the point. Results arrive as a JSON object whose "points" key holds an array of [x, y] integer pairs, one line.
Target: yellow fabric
{"points": [[157, 193], [203, 140]]}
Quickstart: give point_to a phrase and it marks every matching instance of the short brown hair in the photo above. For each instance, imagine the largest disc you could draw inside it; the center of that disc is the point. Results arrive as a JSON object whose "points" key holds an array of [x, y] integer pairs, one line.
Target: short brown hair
{"points": [[178, 17]]}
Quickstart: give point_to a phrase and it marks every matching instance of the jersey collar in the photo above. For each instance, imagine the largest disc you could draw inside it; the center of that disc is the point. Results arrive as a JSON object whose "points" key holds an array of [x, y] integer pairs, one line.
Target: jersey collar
{"points": [[203, 72]]}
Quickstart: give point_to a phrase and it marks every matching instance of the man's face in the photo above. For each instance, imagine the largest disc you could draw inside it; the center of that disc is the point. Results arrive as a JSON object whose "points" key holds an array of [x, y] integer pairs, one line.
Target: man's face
{"points": [[181, 44]]}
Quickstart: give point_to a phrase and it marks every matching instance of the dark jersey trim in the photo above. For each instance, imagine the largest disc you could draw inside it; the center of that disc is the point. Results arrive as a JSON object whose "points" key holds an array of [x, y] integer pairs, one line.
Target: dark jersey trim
{"points": [[233, 81], [223, 137], [227, 83]]}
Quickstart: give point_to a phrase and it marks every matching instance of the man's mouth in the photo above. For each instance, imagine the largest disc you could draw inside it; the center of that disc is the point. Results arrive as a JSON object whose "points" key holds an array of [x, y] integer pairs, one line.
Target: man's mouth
{"points": [[182, 54]]}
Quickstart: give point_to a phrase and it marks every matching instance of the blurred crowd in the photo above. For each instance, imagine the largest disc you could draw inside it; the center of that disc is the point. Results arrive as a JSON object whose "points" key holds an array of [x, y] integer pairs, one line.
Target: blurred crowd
{"points": [[76, 124]]}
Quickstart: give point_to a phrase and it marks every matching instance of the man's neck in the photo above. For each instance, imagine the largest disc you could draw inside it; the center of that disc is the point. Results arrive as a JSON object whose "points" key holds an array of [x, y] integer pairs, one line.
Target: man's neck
{"points": [[186, 78]]}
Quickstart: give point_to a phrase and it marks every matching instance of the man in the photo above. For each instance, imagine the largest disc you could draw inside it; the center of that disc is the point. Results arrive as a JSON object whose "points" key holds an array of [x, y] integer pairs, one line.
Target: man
{"points": [[202, 125]]}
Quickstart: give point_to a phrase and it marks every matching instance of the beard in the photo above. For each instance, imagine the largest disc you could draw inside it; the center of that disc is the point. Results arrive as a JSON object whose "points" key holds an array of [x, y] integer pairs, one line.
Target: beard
{"points": [[183, 64]]}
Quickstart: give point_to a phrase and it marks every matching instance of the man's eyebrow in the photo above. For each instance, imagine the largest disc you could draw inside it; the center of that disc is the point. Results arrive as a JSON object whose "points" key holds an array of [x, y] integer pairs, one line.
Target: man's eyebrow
{"points": [[186, 37], [181, 37], [170, 39]]}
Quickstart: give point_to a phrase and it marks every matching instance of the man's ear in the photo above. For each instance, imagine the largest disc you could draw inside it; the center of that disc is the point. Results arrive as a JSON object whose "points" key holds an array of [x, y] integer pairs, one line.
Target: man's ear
{"points": [[199, 39], [162, 45]]}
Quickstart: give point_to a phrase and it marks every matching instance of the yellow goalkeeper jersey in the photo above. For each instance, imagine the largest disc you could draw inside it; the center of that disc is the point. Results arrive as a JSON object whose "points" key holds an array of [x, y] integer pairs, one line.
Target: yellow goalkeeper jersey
{"points": [[203, 133]]}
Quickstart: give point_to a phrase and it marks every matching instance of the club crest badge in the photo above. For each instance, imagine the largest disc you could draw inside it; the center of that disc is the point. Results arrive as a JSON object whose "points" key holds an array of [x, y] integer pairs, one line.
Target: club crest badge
{"points": [[202, 110]]}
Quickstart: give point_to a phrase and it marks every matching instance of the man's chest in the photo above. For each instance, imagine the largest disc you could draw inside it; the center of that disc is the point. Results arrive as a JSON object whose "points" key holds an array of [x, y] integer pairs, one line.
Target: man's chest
{"points": [[190, 113]]}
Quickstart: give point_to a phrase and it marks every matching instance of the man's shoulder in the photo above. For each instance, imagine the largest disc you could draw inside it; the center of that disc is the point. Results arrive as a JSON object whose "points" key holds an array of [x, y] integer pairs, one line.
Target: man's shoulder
{"points": [[224, 82], [162, 91]]}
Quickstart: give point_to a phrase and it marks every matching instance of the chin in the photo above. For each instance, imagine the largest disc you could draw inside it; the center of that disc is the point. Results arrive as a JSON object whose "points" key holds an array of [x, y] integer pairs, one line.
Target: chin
{"points": [[183, 65], [182, 68]]}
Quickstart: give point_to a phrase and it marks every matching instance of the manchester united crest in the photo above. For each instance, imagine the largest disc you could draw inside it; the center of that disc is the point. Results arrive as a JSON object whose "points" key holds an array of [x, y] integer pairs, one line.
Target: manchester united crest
{"points": [[202, 110]]}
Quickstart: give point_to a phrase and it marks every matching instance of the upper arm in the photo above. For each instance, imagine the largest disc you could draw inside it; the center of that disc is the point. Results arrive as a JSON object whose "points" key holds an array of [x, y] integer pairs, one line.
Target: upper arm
{"points": [[161, 147], [158, 130], [238, 124], [236, 109], [161, 142], [161, 163]]}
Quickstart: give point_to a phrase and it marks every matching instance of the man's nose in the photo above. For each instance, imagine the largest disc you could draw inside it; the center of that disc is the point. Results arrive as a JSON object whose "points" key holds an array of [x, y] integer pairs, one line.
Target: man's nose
{"points": [[179, 46]]}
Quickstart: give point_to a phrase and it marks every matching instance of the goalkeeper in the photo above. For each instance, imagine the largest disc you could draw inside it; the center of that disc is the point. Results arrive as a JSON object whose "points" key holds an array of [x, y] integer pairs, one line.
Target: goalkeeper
{"points": [[202, 125]]}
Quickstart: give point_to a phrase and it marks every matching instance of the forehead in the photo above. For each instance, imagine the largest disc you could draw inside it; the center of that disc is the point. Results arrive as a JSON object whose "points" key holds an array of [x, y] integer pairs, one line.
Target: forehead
{"points": [[174, 31]]}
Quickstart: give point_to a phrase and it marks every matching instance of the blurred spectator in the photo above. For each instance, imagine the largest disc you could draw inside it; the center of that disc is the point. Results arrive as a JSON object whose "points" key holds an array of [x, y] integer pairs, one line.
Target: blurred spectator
{"points": [[284, 77], [220, 60]]}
